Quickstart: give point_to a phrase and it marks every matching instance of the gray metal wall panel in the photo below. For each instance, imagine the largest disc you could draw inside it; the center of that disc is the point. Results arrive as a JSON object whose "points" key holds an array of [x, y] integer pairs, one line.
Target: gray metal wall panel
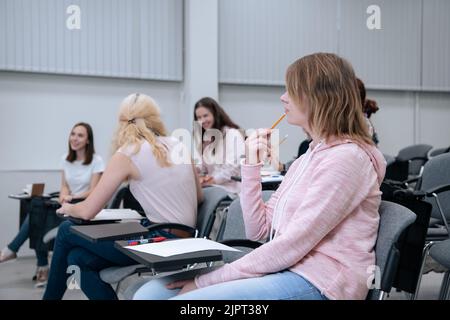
{"points": [[436, 45], [137, 39], [388, 58], [258, 39]]}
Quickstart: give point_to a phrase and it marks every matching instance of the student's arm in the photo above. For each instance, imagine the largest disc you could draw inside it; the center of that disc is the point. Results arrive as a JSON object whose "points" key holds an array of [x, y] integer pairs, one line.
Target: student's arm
{"points": [[65, 191], [119, 169], [94, 180], [234, 149], [198, 187]]}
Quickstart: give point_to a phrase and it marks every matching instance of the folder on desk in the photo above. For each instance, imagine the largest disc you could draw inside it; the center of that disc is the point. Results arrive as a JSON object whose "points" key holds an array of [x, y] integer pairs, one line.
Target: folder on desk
{"points": [[112, 231], [180, 246], [109, 216]]}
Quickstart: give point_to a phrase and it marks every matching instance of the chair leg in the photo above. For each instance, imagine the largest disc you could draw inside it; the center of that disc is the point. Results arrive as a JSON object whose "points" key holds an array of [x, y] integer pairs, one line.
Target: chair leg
{"points": [[444, 286], [118, 287], [425, 252], [447, 296], [382, 295]]}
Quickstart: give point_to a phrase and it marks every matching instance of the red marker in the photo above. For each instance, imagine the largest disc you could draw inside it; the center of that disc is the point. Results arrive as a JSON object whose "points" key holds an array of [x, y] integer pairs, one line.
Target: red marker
{"points": [[143, 241]]}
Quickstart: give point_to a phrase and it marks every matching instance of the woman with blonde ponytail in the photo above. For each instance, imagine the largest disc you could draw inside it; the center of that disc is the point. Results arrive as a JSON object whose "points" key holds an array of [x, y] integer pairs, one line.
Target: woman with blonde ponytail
{"points": [[141, 156]]}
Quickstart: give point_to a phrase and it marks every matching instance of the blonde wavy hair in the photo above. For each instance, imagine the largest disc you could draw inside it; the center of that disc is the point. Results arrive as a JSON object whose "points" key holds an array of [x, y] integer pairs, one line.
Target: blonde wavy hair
{"points": [[139, 119], [328, 83]]}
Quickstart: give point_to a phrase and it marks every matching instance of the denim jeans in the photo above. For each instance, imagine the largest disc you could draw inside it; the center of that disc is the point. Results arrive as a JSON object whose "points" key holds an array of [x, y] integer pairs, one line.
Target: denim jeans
{"points": [[284, 285], [22, 236], [72, 250]]}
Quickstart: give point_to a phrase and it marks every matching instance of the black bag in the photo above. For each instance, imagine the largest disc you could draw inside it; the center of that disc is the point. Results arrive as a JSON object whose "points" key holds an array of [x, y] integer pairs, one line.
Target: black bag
{"points": [[43, 218], [412, 242]]}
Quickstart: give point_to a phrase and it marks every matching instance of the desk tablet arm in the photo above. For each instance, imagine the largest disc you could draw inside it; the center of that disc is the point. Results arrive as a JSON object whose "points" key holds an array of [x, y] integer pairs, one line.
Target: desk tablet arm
{"points": [[54, 194], [241, 243], [177, 226]]}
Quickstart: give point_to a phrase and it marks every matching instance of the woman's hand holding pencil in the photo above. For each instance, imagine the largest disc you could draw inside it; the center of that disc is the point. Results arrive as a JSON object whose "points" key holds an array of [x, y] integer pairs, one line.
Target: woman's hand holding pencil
{"points": [[257, 144]]}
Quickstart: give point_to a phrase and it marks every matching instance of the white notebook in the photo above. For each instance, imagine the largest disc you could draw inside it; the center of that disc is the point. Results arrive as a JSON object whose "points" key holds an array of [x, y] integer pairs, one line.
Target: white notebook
{"points": [[172, 247], [117, 214]]}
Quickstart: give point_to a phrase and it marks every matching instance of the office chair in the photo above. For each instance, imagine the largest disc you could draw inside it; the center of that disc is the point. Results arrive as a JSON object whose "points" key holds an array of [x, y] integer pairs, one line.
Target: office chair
{"points": [[435, 152], [232, 226], [394, 221], [417, 156], [440, 252], [434, 188]]}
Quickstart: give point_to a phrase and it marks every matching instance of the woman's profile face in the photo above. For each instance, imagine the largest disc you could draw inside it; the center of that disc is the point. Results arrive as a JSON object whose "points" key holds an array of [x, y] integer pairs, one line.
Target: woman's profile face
{"points": [[295, 114], [204, 117], [78, 138]]}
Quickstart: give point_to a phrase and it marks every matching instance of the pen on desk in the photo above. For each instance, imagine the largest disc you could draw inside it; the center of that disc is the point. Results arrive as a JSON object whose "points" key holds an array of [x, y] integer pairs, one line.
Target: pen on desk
{"points": [[278, 121], [143, 241]]}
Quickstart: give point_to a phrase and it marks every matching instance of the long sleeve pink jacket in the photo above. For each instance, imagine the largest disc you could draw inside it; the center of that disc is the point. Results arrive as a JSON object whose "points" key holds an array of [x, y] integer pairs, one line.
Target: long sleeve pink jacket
{"points": [[326, 221]]}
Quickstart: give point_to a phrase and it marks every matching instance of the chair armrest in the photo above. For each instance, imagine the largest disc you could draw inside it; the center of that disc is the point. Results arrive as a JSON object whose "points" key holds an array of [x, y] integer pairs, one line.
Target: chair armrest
{"points": [[408, 194], [169, 225], [415, 179], [418, 158], [395, 183], [438, 189], [241, 243]]}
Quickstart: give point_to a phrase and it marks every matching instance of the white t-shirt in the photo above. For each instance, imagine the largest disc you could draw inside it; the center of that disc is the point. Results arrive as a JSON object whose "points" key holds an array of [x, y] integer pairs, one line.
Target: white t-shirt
{"points": [[78, 176]]}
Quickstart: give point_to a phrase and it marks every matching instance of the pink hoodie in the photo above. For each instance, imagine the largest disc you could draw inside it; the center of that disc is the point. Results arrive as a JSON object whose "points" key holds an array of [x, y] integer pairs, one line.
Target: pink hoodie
{"points": [[326, 222]]}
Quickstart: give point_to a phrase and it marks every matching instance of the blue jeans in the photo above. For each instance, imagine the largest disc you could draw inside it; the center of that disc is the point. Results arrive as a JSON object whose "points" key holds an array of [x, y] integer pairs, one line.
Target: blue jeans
{"points": [[72, 250], [284, 285], [22, 236]]}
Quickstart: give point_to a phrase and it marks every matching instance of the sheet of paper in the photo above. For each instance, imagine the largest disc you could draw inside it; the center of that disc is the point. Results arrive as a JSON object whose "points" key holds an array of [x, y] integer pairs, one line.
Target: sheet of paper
{"points": [[117, 214], [172, 247], [274, 178], [268, 172]]}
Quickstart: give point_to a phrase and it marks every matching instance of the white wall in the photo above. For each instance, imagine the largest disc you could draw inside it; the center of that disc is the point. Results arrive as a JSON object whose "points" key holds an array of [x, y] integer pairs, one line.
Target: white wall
{"points": [[395, 122], [37, 112]]}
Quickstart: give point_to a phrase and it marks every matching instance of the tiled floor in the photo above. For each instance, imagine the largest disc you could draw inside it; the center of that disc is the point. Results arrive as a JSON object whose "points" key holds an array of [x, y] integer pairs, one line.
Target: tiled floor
{"points": [[16, 283]]}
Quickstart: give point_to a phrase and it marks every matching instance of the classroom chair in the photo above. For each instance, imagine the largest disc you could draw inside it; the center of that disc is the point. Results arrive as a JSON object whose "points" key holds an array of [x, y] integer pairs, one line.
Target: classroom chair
{"points": [[437, 151], [417, 156], [440, 252], [434, 188], [395, 220], [206, 214]]}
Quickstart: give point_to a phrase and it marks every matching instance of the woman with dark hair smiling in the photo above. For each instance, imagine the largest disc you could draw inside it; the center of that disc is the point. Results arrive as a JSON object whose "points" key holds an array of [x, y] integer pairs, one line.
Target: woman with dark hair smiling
{"points": [[218, 166], [81, 170]]}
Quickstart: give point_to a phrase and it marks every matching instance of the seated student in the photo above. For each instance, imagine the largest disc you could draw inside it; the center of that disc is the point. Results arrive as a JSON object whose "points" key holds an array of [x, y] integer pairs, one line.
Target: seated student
{"points": [[81, 172], [369, 107], [142, 150], [323, 219], [215, 169]]}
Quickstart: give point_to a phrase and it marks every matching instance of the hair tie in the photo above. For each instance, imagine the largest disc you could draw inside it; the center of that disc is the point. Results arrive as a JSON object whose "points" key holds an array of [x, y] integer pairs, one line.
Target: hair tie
{"points": [[132, 121]]}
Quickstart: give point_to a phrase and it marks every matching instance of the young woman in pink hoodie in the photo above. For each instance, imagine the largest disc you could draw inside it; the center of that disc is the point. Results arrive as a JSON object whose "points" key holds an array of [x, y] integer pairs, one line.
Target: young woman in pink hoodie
{"points": [[322, 221]]}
